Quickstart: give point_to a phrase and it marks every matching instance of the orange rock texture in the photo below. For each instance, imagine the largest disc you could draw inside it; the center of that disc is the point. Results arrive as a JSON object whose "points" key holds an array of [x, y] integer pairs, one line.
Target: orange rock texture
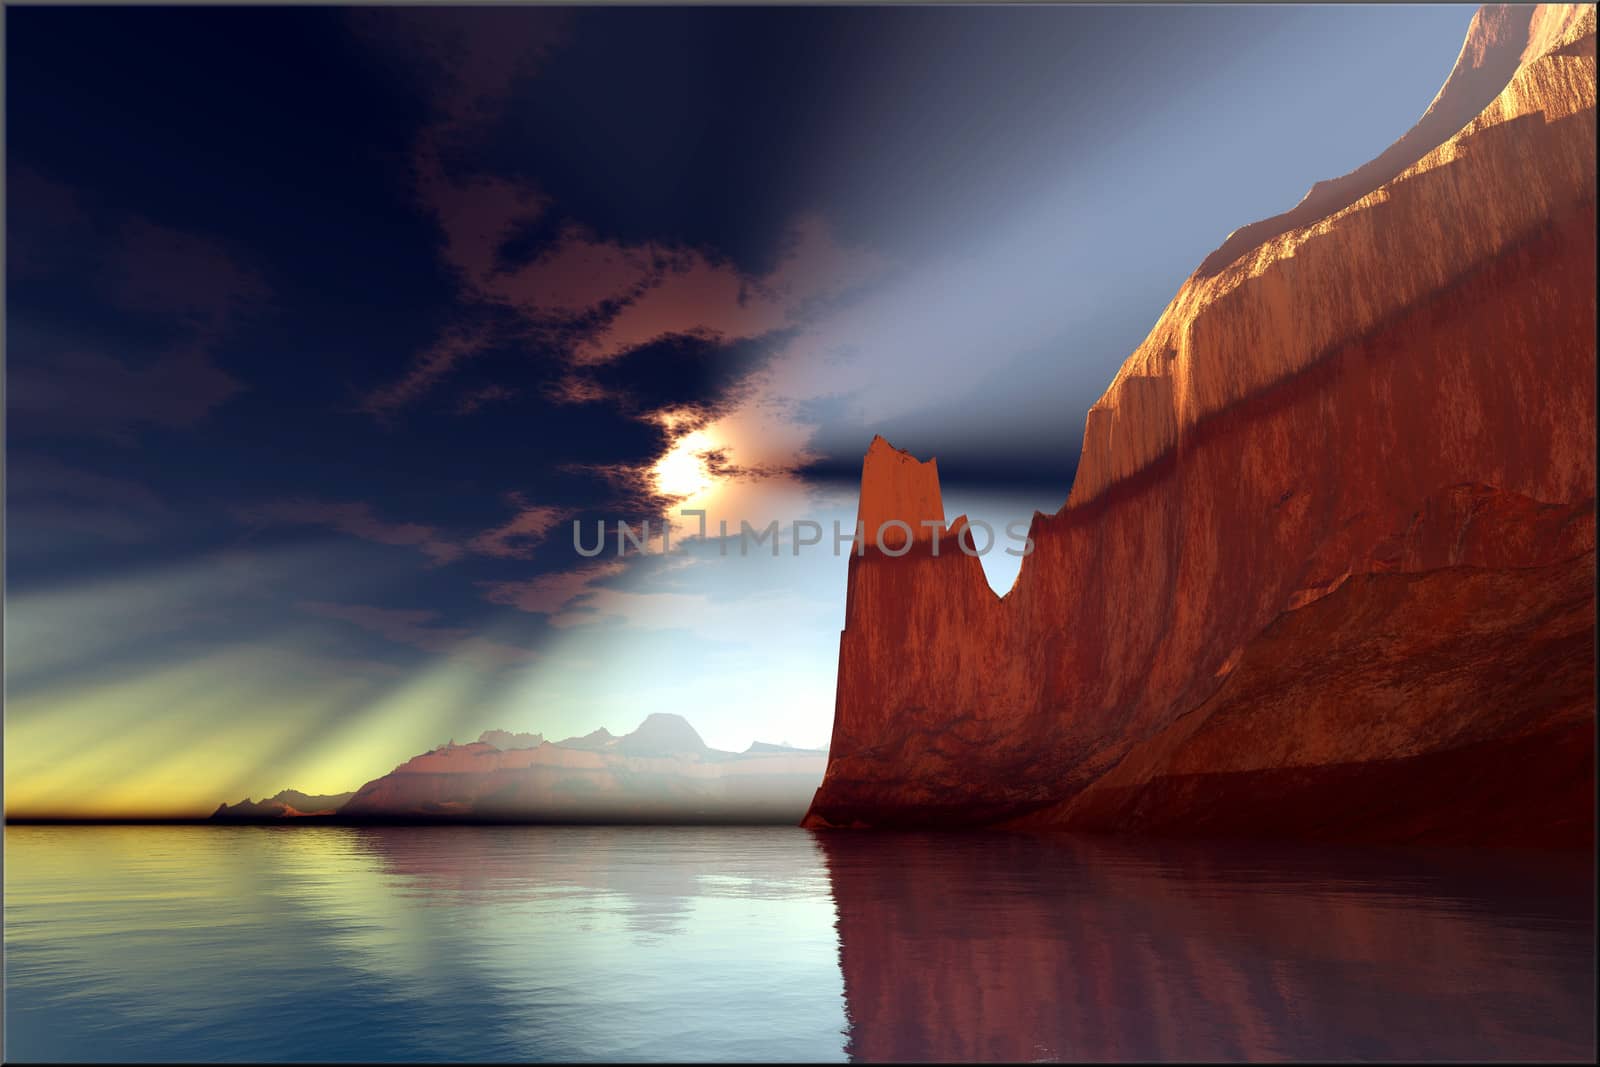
{"points": [[1329, 535]]}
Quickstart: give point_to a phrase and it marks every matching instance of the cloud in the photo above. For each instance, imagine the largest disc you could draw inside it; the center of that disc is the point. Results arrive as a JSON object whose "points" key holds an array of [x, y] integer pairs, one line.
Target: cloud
{"points": [[642, 325], [632, 483], [418, 630], [192, 282], [576, 277], [696, 295], [471, 57], [91, 393], [475, 215], [655, 328], [169, 271], [518, 537], [471, 60], [607, 299], [593, 299], [473, 399], [551, 593], [456, 344], [48, 498], [51, 232], [577, 389], [355, 519], [43, 476]]}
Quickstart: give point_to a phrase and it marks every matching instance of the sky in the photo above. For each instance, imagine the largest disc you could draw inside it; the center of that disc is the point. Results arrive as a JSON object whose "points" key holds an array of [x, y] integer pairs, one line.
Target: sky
{"points": [[324, 326]]}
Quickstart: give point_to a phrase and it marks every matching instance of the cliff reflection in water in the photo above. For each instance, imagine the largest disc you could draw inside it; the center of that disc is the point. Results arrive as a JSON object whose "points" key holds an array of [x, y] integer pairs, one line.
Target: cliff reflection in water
{"points": [[1021, 947]]}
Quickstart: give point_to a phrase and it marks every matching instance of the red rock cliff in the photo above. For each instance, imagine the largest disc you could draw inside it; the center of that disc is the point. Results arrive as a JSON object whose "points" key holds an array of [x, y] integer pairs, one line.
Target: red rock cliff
{"points": [[1332, 532]]}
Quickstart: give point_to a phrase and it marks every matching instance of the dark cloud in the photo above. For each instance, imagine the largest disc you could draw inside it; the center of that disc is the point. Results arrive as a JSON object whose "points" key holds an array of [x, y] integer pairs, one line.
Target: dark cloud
{"points": [[355, 518], [686, 370], [51, 234], [164, 299], [57, 506]]}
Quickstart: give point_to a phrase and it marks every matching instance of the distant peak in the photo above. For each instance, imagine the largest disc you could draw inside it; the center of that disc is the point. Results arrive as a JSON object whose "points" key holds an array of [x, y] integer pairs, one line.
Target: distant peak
{"points": [[507, 741], [662, 734], [592, 741], [285, 803]]}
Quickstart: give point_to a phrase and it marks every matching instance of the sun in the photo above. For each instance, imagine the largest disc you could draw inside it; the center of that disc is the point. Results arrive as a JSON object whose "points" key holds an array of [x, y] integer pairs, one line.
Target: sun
{"points": [[684, 471]]}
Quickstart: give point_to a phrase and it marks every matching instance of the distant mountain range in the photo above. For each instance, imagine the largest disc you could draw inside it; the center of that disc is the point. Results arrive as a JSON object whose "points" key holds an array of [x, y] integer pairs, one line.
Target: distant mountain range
{"points": [[662, 771], [287, 804]]}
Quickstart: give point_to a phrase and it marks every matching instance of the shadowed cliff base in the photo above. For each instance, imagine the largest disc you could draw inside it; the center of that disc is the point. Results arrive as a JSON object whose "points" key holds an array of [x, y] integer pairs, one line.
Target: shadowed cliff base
{"points": [[1362, 455]]}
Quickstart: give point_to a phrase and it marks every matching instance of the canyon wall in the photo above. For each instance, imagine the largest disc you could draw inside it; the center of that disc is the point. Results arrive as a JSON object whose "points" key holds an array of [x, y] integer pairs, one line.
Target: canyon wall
{"points": [[1332, 532]]}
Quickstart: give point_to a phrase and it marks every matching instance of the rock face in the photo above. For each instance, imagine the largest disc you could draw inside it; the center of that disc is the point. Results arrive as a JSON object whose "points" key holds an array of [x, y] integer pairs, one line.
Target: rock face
{"points": [[899, 496], [662, 771], [1332, 534]]}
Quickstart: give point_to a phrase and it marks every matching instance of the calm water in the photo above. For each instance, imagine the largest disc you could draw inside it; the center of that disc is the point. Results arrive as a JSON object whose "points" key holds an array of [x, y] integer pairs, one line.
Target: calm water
{"points": [[202, 943]]}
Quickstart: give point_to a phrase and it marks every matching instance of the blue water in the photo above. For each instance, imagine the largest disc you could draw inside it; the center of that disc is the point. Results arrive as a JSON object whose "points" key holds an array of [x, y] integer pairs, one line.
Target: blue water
{"points": [[299, 943]]}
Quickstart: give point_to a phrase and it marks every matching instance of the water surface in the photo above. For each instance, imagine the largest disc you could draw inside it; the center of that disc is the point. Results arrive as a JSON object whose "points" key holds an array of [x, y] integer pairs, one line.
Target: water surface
{"points": [[614, 943]]}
